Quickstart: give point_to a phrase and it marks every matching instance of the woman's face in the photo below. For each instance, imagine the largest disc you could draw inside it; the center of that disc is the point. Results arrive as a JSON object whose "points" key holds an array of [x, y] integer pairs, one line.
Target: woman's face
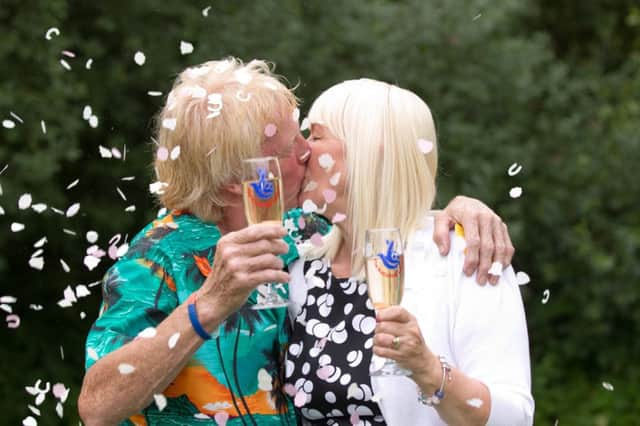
{"points": [[325, 177]]}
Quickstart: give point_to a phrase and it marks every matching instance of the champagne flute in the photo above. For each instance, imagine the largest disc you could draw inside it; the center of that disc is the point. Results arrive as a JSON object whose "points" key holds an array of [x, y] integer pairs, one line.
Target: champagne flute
{"points": [[385, 279], [263, 202]]}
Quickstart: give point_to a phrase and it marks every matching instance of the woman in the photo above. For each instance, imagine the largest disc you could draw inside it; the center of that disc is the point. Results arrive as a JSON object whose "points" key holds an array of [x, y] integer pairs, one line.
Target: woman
{"points": [[373, 165]]}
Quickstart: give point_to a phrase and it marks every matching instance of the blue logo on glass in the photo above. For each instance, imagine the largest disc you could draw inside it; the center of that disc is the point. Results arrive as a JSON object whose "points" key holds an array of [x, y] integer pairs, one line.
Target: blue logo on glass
{"points": [[263, 188], [390, 259]]}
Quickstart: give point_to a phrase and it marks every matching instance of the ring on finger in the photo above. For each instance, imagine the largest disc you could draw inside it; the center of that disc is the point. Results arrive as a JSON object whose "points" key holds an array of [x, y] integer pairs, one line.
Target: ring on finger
{"points": [[395, 343]]}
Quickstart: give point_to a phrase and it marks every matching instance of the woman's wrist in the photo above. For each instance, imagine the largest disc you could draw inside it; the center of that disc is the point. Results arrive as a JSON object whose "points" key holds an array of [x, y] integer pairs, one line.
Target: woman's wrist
{"points": [[428, 378]]}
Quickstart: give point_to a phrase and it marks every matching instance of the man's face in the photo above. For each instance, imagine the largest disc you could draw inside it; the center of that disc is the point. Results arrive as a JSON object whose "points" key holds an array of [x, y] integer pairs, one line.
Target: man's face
{"points": [[292, 151]]}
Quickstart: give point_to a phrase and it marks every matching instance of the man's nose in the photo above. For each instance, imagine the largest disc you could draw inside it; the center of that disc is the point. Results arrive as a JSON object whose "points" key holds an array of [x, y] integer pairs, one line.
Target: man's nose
{"points": [[303, 150]]}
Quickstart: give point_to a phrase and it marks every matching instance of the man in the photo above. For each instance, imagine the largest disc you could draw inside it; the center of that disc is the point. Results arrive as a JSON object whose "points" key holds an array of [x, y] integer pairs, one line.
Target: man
{"points": [[192, 273]]}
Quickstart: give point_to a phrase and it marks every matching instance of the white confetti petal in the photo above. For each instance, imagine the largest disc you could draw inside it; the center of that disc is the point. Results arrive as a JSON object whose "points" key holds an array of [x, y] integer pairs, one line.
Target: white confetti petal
{"points": [[91, 262], [475, 402], [148, 333], [326, 161], [154, 93], [608, 386], [173, 340], [126, 368], [41, 242], [29, 421], [139, 58], [86, 112], [73, 210], [16, 227], [175, 153], [131, 208], [122, 250], [104, 152], [515, 192], [545, 296], [514, 169], [43, 125], [91, 353], [39, 208], [265, 381], [425, 146], [335, 179], [305, 124], [8, 299], [65, 267], [1, 211], [309, 206], [205, 11], [72, 184], [158, 187], [169, 123], [59, 410], [522, 278], [65, 64], [24, 202], [92, 236], [8, 124], [496, 269], [161, 401], [82, 291], [51, 32], [88, 64], [185, 47], [93, 121]]}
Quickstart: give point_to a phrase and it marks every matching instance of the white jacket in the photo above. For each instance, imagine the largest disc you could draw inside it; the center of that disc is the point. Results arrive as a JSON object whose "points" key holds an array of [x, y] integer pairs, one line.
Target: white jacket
{"points": [[481, 330]]}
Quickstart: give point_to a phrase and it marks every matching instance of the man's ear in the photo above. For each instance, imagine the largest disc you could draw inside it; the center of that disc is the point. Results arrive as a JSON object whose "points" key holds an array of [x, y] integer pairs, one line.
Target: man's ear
{"points": [[233, 189]]}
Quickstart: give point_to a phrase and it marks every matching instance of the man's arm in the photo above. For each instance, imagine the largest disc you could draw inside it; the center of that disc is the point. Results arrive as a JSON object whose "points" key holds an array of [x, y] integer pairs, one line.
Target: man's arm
{"points": [[486, 236], [243, 260]]}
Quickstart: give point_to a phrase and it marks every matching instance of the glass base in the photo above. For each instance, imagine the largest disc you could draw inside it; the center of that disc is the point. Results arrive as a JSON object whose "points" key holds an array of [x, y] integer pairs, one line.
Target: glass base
{"points": [[390, 368], [271, 300]]}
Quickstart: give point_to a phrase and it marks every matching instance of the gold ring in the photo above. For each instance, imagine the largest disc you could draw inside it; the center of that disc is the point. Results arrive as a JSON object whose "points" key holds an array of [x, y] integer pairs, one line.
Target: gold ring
{"points": [[396, 343]]}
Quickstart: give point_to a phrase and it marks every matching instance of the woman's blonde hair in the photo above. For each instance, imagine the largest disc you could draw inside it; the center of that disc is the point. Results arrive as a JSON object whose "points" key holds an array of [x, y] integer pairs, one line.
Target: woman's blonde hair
{"points": [[216, 113], [386, 131]]}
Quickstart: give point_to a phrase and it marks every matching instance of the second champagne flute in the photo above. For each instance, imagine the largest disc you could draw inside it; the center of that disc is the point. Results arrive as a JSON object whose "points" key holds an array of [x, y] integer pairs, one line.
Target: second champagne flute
{"points": [[385, 279], [263, 202]]}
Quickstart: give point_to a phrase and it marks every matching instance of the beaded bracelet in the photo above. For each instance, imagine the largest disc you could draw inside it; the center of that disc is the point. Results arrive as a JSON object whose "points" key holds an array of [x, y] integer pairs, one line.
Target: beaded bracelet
{"points": [[193, 317], [438, 395]]}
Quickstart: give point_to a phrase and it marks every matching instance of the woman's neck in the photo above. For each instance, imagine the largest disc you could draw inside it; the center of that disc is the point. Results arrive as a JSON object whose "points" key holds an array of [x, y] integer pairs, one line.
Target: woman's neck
{"points": [[341, 263]]}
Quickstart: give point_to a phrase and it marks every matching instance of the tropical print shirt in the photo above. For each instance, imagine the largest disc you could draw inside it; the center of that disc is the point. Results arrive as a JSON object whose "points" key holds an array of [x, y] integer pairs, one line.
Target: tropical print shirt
{"points": [[234, 379]]}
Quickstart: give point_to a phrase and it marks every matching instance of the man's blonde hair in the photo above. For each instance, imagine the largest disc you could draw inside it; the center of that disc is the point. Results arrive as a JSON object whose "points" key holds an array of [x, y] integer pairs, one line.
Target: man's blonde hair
{"points": [[390, 179], [216, 113]]}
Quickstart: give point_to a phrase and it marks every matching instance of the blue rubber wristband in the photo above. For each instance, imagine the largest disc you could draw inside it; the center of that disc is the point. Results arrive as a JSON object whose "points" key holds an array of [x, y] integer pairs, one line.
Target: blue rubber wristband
{"points": [[193, 317]]}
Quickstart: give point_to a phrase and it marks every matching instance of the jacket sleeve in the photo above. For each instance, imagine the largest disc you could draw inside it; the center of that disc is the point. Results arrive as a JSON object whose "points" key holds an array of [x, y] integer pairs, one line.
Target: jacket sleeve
{"points": [[491, 344]]}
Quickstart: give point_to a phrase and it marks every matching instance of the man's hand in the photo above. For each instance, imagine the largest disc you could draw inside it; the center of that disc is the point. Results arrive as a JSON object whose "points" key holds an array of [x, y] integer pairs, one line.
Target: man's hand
{"points": [[243, 260], [486, 235]]}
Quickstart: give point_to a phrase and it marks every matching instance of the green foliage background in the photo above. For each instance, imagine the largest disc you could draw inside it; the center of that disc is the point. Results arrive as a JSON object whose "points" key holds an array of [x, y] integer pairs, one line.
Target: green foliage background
{"points": [[550, 84]]}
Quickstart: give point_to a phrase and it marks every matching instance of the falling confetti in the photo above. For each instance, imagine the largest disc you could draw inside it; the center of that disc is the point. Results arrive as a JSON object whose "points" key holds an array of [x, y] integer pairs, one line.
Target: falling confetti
{"points": [[173, 340], [514, 169], [126, 368], [515, 192], [185, 47], [270, 130], [93, 121], [68, 54], [545, 296], [64, 265], [37, 263], [205, 11], [119, 191], [139, 58], [608, 386], [72, 184], [24, 202], [51, 32], [522, 278], [496, 269], [39, 208], [92, 236], [43, 126], [154, 93], [425, 146], [29, 421], [73, 210], [477, 17], [8, 124], [160, 400], [88, 64], [475, 402], [175, 153], [16, 227], [14, 115], [169, 123], [65, 64], [13, 321]]}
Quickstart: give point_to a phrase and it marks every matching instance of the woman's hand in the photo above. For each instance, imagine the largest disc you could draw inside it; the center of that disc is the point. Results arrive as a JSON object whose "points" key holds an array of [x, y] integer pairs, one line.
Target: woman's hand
{"points": [[486, 235], [398, 337]]}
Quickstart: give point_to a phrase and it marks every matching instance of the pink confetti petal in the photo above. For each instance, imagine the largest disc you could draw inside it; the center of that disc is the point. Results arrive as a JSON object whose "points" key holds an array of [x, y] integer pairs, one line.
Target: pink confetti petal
{"points": [[329, 195], [338, 217], [425, 146], [301, 223], [270, 130], [290, 389], [163, 153], [300, 399], [13, 321], [221, 418], [316, 239], [324, 372], [355, 418]]}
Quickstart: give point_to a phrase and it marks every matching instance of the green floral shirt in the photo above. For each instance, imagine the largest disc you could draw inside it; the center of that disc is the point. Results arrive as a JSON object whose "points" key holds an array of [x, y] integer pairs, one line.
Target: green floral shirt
{"points": [[233, 379]]}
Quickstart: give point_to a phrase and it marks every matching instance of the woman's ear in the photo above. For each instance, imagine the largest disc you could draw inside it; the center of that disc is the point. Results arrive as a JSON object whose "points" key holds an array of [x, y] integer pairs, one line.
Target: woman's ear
{"points": [[232, 193]]}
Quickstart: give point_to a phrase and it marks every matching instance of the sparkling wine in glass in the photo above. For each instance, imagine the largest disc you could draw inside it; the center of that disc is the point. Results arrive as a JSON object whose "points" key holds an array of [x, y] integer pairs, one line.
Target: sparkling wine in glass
{"points": [[385, 279], [263, 202]]}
